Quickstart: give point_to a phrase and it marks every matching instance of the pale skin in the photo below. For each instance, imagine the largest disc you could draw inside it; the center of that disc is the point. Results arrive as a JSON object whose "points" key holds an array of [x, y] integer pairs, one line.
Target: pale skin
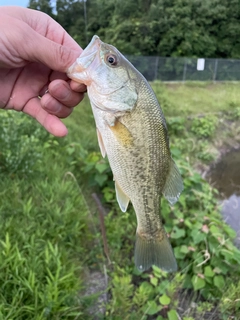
{"points": [[35, 53]]}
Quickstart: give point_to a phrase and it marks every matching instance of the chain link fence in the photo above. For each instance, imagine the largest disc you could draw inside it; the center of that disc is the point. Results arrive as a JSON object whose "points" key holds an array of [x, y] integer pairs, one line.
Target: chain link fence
{"points": [[187, 69]]}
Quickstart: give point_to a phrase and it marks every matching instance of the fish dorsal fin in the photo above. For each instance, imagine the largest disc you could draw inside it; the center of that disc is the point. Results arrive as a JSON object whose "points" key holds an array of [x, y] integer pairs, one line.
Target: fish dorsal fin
{"points": [[122, 134], [174, 185], [122, 198], [101, 145]]}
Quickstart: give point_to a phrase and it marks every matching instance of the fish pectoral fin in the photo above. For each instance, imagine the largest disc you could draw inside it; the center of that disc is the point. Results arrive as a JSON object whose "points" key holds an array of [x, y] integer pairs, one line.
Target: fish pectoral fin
{"points": [[154, 251], [122, 198], [122, 134], [101, 145], [174, 185]]}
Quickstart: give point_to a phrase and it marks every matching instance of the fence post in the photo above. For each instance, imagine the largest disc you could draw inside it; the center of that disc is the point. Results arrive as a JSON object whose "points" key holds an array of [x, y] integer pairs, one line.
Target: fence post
{"points": [[215, 70], [156, 68], [184, 70]]}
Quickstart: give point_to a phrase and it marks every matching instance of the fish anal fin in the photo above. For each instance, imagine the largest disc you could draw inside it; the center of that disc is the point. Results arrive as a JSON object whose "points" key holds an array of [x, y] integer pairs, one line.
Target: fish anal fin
{"points": [[122, 134], [174, 185], [122, 198], [101, 145], [154, 251]]}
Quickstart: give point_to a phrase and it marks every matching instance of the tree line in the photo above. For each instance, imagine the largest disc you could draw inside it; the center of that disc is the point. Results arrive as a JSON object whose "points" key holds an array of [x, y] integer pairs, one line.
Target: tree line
{"points": [[178, 28]]}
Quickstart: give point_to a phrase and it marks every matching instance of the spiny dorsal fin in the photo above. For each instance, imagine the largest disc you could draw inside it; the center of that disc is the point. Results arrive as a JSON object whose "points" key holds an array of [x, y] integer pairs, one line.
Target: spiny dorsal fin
{"points": [[174, 185]]}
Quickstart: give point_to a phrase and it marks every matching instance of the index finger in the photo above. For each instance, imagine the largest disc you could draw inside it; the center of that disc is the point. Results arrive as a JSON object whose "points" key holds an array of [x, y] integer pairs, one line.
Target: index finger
{"points": [[78, 87]]}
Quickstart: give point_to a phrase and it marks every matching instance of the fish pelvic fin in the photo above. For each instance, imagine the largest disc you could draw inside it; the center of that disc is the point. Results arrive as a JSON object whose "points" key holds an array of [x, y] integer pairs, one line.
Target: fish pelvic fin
{"points": [[101, 144], [174, 185], [154, 251], [122, 198]]}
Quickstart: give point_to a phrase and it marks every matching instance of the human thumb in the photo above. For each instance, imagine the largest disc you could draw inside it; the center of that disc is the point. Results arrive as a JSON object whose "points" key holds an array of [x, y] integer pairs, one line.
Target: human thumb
{"points": [[56, 56]]}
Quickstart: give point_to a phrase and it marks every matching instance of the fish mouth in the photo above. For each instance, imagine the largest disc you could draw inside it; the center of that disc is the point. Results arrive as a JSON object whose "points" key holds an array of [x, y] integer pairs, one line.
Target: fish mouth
{"points": [[91, 49], [85, 59]]}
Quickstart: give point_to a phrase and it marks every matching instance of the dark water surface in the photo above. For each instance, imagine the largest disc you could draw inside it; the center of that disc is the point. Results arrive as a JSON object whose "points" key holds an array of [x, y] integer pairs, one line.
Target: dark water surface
{"points": [[225, 176]]}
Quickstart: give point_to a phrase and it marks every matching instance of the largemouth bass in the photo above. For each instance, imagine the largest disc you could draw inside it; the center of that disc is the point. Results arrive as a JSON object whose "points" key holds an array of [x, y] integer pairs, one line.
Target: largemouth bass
{"points": [[132, 132]]}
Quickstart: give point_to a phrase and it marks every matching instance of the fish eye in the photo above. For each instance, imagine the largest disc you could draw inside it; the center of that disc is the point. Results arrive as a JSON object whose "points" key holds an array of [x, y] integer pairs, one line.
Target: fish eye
{"points": [[112, 59]]}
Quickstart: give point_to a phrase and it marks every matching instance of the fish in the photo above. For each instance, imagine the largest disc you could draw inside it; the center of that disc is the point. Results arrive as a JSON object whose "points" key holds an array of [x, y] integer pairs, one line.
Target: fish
{"points": [[132, 133]]}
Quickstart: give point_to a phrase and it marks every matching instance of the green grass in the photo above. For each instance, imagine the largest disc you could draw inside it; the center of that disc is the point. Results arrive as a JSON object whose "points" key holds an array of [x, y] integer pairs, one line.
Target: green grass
{"points": [[176, 99], [43, 239], [50, 236], [197, 97], [82, 127], [45, 226]]}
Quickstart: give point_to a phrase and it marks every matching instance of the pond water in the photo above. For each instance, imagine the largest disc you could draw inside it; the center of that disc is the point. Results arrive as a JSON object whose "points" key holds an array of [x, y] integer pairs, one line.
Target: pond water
{"points": [[225, 176]]}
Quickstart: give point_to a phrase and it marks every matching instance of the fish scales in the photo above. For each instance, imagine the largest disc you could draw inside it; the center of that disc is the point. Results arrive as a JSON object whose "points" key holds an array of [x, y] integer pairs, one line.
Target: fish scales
{"points": [[135, 139]]}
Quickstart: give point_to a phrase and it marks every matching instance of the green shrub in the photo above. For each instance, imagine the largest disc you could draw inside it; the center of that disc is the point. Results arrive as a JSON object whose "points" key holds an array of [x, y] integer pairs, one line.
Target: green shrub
{"points": [[155, 295], [205, 152], [230, 301], [235, 111], [18, 140], [204, 127], [176, 125], [91, 167]]}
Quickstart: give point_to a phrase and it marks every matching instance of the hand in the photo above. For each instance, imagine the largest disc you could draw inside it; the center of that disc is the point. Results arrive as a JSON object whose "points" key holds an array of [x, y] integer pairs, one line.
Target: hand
{"points": [[35, 52]]}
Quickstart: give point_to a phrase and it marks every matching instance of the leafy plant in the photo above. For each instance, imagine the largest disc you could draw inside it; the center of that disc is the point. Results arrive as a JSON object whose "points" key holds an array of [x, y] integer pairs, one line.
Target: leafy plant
{"points": [[230, 302], [203, 246], [205, 151], [22, 143], [176, 125], [155, 296], [93, 168], [235, 110], [204, 127]]}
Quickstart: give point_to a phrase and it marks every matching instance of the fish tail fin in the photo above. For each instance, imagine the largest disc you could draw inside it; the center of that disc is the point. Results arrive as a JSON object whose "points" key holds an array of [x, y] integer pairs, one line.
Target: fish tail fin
{"points": [[156, 251]]}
